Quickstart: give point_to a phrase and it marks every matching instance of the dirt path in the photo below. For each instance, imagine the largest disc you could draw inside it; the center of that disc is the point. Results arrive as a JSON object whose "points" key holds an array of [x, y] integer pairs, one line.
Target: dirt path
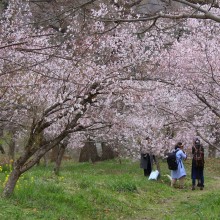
{"points": [[167, 206], [187, 196]]}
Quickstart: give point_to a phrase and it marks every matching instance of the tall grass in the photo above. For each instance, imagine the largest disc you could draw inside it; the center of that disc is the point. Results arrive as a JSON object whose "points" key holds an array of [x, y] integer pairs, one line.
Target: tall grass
{"points": [[109, 190]]}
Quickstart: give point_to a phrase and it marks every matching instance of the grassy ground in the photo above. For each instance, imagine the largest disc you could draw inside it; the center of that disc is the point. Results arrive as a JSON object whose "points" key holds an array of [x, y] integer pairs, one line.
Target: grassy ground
{"points": [[109, 190]]}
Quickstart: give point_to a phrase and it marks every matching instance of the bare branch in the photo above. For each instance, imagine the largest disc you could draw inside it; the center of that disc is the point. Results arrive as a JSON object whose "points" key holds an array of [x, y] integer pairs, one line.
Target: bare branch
{"points": [[11, 45]]}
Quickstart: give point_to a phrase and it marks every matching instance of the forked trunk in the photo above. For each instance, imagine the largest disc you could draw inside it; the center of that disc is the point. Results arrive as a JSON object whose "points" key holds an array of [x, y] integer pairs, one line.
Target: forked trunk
{"points": [[11, 183]]}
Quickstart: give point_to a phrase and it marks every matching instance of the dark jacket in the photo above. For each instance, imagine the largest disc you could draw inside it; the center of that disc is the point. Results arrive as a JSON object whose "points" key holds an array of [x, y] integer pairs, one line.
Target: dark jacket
{"points": [[147, 161], [193, 154], [197, 171]]}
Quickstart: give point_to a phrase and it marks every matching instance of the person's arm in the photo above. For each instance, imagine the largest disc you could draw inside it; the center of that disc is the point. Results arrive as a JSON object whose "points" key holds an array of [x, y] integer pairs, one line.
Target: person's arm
{"points": [[183, 155]]}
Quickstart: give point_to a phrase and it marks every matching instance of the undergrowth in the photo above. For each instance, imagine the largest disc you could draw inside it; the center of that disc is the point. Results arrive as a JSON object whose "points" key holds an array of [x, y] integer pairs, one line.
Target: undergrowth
{"points": [[109, 190]]}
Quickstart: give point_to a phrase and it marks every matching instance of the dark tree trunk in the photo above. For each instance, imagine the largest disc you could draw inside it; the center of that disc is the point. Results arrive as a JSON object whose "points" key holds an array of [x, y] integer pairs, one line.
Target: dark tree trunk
{"points": [[107, 152], [35, 149], [157, 164], [2, 149], [11, 183], [45, 158], [54, 154], [11, 152], [59, 158], [30, 157], [89, 152]]}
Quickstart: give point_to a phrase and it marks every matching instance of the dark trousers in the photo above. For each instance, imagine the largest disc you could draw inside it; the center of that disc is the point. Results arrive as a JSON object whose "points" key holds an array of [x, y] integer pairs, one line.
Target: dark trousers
{"points": [[200, 182], [149, 169], [197, 173], [147, 172]]}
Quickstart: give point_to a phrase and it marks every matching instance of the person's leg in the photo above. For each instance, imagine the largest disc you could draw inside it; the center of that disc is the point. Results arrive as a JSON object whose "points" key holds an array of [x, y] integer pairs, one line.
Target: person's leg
{"points": [[149, 168], [173, 182], [181, 182], [193, 183], [193, 176], [202, 180]]}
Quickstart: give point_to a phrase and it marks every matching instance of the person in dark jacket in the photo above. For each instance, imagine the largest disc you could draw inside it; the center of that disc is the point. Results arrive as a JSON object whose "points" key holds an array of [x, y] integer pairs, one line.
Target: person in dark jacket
{"points": [[147, 159], [147, 163], [198, 162]]}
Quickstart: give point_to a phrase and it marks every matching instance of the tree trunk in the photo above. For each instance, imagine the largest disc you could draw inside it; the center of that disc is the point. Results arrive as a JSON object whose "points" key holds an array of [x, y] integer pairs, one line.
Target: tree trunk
{"points": [[212, 152], [45, 157], [2, 149], [11, 183], [54, 154], [59, 158], [11, 152], [157, 165]]}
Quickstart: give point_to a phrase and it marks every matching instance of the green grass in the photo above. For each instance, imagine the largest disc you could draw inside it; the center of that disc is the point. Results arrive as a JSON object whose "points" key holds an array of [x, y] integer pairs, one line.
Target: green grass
{"points": [[109, 190]]}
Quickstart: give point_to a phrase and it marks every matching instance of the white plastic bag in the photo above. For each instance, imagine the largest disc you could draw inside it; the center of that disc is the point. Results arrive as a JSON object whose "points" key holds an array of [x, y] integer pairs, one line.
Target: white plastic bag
{"points": [[154, 175]]}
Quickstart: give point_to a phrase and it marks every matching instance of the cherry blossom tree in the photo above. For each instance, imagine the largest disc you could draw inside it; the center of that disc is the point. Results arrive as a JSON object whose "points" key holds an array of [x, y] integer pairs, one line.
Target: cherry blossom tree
{"points": [[57, 85], [191, 71], [107, 71], [145, 10]]}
